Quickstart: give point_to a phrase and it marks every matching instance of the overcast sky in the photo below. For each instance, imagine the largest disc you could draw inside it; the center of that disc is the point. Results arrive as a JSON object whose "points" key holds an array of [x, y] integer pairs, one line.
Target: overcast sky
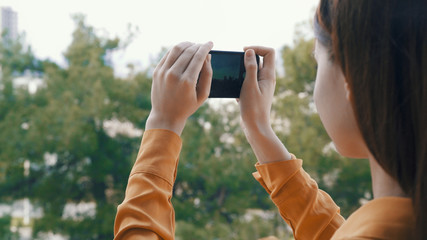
{"points": [[230, 24]]}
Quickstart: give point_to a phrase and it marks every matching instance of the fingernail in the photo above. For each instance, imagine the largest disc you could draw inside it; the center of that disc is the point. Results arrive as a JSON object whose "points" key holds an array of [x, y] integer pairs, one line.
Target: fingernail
{"points": [[250, 53]]}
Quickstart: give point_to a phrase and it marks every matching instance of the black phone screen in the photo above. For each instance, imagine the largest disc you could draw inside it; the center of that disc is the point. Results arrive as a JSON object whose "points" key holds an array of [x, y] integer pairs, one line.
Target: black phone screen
{"points": [[228, 74]]}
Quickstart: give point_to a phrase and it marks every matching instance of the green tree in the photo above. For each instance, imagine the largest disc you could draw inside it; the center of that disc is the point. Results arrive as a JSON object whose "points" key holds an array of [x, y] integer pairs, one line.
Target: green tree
{"points": [[15, 60], [5, 233], [66, 120]]}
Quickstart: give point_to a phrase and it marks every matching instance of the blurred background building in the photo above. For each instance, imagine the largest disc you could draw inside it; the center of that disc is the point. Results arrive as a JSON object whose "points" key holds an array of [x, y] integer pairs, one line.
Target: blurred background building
{"points": [[9, 33], [9, 23]]}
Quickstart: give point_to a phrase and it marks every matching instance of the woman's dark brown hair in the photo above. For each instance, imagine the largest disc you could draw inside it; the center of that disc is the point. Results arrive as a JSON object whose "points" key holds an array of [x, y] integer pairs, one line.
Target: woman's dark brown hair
{"points": [[381, 47]]}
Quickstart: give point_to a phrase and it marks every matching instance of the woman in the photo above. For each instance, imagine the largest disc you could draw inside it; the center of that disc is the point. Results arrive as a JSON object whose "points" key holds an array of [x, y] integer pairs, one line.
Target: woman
{"points": [[371, 95]]}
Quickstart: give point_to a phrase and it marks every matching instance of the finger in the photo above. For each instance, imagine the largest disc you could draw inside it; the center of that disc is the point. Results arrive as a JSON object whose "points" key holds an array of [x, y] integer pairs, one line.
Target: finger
{"points": [[251, 66], [182, 62], [197, 62], [163, 60], [175, 52], [160, 65], [268, 55], [204, 85]]}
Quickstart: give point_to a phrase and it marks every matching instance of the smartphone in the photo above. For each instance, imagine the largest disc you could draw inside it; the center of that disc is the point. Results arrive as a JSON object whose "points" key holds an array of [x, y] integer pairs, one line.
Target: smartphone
{"points": [[228, 73]]}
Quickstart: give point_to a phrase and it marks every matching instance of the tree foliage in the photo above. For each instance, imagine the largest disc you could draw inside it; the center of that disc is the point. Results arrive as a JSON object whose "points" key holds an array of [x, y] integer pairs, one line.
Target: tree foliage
{"points": [[66, 121], [77, 157]]}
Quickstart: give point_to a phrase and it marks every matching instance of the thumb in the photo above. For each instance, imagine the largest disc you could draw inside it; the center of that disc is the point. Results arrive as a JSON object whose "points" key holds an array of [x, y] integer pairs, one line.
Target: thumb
{"points": [[251, 66]]}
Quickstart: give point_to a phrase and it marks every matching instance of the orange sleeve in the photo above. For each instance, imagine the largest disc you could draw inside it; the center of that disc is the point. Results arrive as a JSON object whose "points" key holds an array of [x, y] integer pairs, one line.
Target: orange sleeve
{"points": [[311, 212], [147, 211]]}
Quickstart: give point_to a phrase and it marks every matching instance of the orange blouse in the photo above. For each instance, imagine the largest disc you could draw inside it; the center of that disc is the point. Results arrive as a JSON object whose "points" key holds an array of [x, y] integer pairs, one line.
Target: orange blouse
{"points": [[147, 212]]}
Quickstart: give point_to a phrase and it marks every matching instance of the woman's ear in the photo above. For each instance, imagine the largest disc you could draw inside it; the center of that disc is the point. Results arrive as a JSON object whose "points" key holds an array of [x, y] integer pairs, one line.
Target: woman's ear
{"points": [[347, 91]]}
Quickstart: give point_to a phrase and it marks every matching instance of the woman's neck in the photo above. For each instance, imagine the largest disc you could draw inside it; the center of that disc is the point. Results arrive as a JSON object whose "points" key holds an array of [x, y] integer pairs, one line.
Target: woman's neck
{"points": [[383, 185]]}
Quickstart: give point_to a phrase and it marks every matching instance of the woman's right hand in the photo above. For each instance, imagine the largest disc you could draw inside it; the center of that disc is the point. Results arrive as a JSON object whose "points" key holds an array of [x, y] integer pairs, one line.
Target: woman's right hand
{"points": [[257, 91], [255, 102]]}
